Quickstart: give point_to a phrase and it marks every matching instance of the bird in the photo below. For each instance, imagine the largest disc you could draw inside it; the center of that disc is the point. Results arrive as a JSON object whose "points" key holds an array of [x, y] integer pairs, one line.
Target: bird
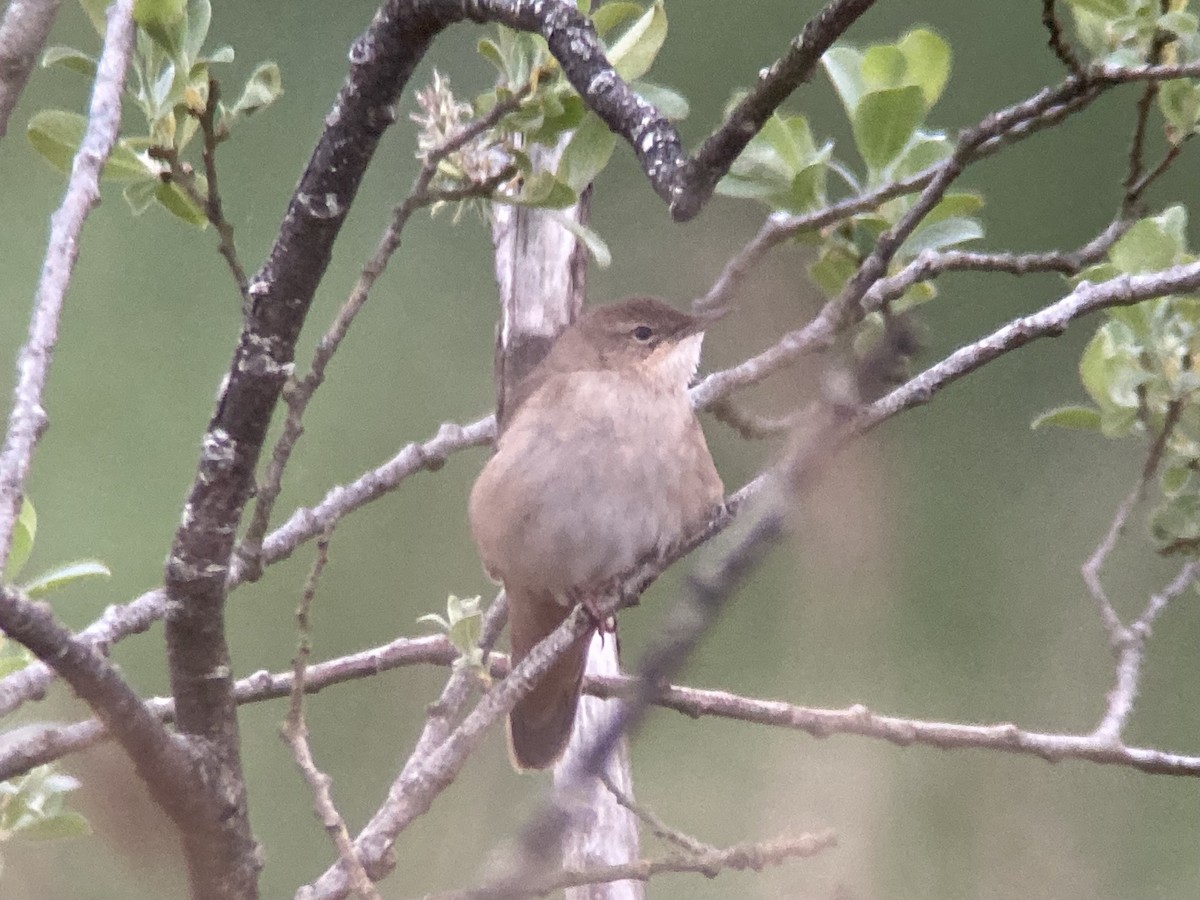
{"points": [[600, 462]]}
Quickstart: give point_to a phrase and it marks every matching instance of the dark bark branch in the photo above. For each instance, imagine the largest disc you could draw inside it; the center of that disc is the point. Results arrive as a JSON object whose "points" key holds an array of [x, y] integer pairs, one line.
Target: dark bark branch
{"points": [[684, 183], [164, 762], [712, 161], [1057, 40], [280, 294]]}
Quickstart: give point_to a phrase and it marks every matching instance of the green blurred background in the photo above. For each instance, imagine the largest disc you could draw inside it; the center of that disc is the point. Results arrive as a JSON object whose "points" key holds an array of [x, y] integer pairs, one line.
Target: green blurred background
{"points": [[934, 573]]}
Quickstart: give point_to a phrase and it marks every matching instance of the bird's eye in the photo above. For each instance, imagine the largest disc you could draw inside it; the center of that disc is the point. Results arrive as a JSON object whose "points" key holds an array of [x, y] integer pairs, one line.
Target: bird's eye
{"points": [[643, 332]]}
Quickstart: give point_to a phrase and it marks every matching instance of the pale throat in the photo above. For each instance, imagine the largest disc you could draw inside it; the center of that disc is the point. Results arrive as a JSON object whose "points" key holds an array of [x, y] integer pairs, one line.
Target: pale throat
{"points": [[672, 368]]}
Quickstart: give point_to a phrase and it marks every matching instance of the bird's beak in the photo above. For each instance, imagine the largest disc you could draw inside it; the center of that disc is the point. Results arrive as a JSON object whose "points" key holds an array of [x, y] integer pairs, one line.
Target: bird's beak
{"points": [[702, 321]]}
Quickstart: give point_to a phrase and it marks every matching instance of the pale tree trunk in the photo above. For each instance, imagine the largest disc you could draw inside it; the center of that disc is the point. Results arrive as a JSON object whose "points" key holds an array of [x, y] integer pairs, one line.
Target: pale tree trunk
{"points": [[541, 272]]}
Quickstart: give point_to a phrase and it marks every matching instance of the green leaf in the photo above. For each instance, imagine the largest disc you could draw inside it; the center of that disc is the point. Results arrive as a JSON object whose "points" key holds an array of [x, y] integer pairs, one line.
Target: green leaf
{"points": [[833, 268], [590, 239], [946, 232], [613, 15], [1145, 247], [140, 194], [843, 65], [223, 54], [541, 191], [1182, 24], [667, 101], [10, 664], [490, 51], [808, 188], [465, 622], [199, 17], [23, 536], [164, 21], [179, 204], [782, 140], [956, 204], [1082, 418], [883, 66], [124, 164], [1174, 479], [63, 575], [1177, 520], [95, 10], [917, 294], [435, 619], [586, 153], [66, 824], [748, 187], [633, 54], [550, 128], [1109, 9], [925, 150], [1111, 375], [884, 121], [1179, 101], [161, 11], [263, 88], [56, 135], [70, 58], [928, 62]]}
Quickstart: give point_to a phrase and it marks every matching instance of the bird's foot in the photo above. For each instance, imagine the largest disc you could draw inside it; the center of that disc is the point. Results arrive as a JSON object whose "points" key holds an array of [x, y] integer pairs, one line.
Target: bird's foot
{"points": [[605, 623]]}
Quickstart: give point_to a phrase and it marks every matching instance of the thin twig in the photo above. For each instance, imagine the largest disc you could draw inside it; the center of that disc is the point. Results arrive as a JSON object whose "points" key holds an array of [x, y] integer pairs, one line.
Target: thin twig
{"points": [[299, 391], [213, 207], [1137, 146], [1117, 633], [740, 857], [1129, 649], [1138, 190], [1058, 42], [295, 733], [660, 828]]}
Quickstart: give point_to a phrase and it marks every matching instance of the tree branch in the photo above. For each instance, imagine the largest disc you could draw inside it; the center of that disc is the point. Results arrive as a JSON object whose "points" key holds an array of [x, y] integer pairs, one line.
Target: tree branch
{"points": [[738, 858], [23, 33], [35, 745], [162, 761], [28, 420]]}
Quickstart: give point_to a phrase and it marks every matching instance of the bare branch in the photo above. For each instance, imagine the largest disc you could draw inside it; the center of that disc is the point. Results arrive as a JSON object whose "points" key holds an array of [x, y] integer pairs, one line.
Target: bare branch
{"points": [[1129, 646], [1051, 321], [929, 264], [23, 33], [740, 857], [660, 828], [774, 86], [34, 745], [295, 733], [28, 418]]}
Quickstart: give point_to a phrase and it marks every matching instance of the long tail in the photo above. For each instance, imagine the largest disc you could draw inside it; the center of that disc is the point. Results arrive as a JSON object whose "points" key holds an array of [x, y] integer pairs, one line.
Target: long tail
{"points": [[539, 726]]}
